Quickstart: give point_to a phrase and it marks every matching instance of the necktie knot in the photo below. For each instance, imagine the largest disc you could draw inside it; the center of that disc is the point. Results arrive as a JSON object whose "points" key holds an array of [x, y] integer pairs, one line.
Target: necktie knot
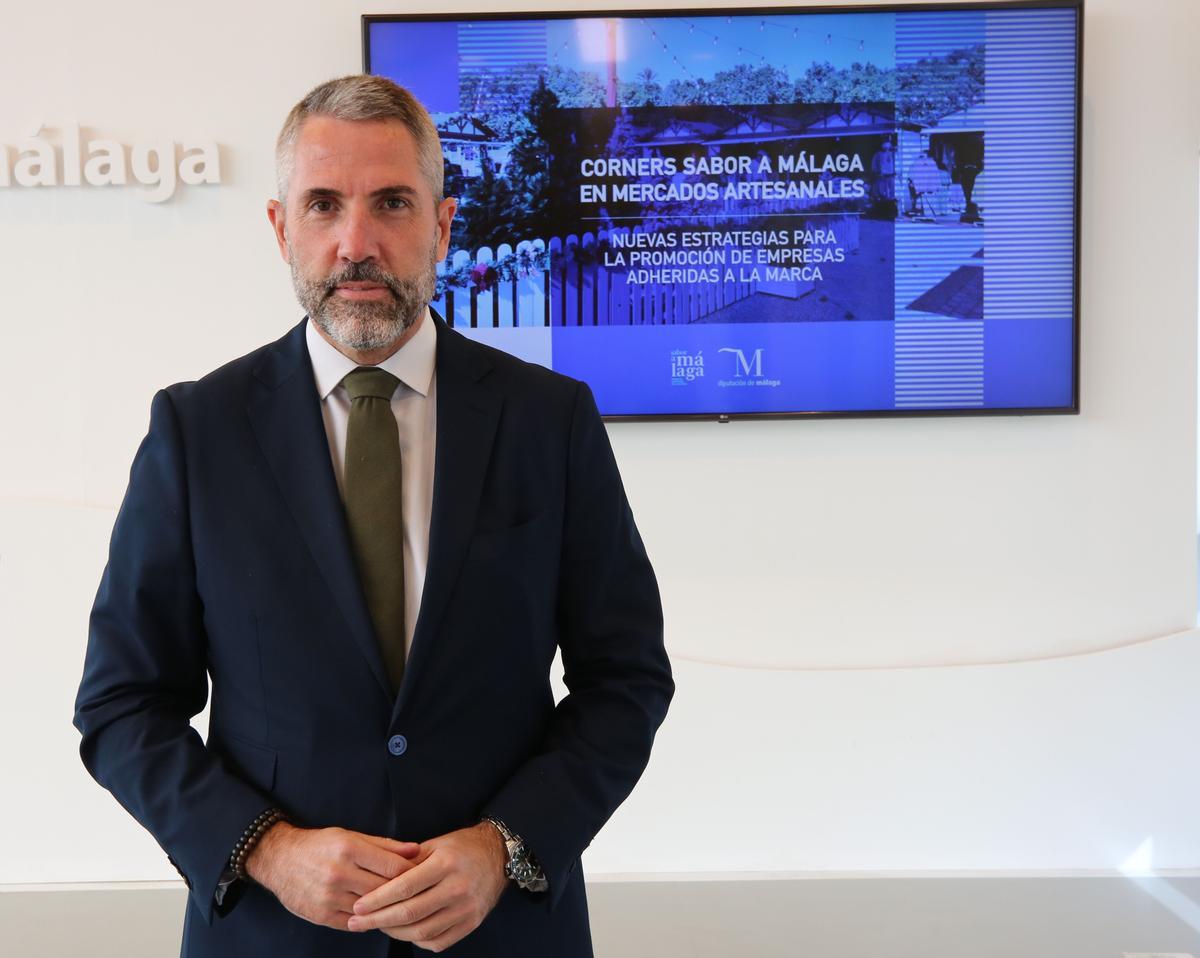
{"points": [[370, 382]]}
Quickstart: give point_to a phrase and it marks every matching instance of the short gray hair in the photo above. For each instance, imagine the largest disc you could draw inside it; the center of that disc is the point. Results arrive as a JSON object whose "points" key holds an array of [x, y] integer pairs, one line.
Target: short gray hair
{"points": [[363, 97]]}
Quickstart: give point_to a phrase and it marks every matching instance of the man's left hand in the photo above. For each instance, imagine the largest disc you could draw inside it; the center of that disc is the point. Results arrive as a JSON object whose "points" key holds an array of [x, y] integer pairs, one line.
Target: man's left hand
{"points": [[455, 883]]}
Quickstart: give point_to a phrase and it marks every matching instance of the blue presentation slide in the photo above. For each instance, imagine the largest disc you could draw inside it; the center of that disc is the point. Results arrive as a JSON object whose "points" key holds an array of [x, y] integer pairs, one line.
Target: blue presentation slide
{"points": [[773, 213]]}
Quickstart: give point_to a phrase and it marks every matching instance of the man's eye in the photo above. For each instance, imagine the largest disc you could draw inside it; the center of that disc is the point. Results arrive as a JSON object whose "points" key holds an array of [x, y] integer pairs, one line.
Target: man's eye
{"points": [[321, 206], [395, 203]]}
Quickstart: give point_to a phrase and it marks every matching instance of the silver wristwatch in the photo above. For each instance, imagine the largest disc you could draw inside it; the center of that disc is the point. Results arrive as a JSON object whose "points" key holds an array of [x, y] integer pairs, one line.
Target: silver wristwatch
{"points": [[521, 867]]}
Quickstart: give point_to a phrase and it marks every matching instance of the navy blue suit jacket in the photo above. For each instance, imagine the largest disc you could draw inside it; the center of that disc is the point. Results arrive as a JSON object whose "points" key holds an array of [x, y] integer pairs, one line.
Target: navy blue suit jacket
{"points": [[230, 559]]}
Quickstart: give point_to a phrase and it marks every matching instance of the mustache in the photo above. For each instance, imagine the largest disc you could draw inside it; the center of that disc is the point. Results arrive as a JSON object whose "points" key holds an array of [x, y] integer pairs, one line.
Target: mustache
{"points": [[362, 273]]}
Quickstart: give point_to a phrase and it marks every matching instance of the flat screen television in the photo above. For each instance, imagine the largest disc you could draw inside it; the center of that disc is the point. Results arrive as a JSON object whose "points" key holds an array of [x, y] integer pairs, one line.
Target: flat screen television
{"points": [[731, 212]]}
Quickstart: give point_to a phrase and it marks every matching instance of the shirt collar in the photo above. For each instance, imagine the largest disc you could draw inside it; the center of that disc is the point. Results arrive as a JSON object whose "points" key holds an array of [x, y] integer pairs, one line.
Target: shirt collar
{"points": [[413, 363]]}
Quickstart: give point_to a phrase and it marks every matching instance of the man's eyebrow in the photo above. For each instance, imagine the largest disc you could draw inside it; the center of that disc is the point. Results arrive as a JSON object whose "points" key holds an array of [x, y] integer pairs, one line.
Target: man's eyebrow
{"points": [[398, 190], [324, 192], [320, 192]]}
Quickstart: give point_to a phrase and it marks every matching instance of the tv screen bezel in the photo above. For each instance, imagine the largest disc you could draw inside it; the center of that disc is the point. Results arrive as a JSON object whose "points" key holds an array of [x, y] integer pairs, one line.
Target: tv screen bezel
{"points": [[725, 10]]}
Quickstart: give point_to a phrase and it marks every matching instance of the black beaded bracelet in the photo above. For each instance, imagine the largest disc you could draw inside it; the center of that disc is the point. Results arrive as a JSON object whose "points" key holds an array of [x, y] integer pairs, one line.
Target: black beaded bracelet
{"points": [[250, 837]]}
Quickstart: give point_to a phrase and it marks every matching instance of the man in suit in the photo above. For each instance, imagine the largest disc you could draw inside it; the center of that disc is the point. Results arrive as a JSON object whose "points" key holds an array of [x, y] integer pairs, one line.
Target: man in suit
{"points": [[372, 535]]}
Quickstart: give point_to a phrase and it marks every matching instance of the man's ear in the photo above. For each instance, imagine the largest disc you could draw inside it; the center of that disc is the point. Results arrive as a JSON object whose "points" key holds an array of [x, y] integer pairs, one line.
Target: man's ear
{"points": [[445, 214], [277, 214]]}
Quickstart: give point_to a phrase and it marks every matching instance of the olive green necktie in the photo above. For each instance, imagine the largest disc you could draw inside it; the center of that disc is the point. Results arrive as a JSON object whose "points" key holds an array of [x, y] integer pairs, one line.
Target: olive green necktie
{"points": [[371, 487]]}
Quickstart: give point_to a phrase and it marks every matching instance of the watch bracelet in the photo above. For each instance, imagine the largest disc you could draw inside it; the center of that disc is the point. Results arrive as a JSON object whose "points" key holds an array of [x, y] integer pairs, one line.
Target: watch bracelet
{"points": [[520, 859]]}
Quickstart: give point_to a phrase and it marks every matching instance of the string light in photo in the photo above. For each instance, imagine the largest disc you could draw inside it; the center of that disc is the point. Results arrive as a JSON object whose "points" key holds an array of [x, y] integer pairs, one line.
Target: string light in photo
{"points": [[796, 32], [742, 50], [826, 37], [562, 46], [666, 49]]}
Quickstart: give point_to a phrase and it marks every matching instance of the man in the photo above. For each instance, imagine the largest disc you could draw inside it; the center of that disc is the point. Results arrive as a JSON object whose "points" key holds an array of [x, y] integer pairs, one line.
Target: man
{"points": [[924, 183], [372, 534], [883, 170]]}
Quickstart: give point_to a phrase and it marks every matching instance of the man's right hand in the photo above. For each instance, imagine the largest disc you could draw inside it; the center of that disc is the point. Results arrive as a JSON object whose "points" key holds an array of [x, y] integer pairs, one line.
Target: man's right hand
{"points": [[319, 873]]}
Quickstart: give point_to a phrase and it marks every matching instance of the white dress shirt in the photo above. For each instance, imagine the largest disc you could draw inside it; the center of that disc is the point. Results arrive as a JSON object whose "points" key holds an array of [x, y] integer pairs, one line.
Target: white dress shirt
{"points": [[414, 404]]}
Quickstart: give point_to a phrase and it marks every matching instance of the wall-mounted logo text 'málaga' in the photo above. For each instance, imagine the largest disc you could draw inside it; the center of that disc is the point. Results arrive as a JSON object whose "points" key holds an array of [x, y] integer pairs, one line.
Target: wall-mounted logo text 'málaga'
{"points": [[159, 165]]}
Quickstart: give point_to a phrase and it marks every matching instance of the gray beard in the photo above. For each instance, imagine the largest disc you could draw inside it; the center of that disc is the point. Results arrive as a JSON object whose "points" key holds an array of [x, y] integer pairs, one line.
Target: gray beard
{"points": [[366, 325]]}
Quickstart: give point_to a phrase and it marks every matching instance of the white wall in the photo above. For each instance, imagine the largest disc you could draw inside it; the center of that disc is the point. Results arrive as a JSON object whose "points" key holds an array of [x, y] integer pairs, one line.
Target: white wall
{"points": [[835, 591]]}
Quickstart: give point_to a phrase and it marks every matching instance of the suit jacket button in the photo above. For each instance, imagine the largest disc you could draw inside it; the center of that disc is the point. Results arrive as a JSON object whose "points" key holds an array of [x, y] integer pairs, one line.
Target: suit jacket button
{"points": [[397, 745]]}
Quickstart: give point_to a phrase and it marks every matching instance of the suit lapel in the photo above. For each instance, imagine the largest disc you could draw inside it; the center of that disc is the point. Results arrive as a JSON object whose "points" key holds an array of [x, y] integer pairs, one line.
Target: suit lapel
{"points": [[286, 417], [467, 414]]}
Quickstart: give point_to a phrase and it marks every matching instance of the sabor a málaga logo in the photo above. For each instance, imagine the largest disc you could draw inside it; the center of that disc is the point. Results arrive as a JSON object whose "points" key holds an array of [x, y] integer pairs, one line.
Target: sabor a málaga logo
{"points": [[686, 366]]}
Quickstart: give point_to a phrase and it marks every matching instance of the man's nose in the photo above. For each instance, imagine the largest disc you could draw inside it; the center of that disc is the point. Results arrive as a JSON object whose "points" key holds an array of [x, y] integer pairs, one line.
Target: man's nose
{"points": [[357, 241]]}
